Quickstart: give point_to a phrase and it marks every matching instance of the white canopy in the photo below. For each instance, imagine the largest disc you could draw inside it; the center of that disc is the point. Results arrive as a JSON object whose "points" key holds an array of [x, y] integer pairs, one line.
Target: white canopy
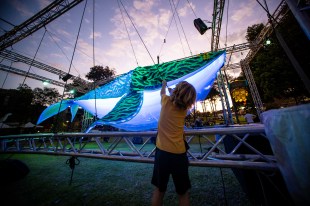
{"points": [[2, 125], [29, 125]]}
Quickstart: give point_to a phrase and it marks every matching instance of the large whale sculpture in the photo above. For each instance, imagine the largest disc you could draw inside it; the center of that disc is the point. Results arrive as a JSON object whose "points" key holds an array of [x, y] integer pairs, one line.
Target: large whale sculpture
{"points": [[131, 101]]}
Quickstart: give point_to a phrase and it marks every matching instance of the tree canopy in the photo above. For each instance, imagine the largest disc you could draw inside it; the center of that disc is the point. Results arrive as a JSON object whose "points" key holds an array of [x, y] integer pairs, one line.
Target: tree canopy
{"points": [[273, 73], [98, 73]]}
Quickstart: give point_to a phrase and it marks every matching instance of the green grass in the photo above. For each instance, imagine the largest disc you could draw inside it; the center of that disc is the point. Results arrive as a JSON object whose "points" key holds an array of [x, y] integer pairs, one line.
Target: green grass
{"points": [[106, 182]]}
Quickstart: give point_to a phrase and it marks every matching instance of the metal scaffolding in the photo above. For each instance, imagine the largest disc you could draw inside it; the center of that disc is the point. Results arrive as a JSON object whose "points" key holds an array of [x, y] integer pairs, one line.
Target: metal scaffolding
{"points": [[206, 146], [36, 22]]}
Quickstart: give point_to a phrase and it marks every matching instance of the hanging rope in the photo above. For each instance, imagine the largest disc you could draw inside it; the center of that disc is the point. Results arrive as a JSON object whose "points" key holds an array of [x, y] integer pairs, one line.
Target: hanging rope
{"points": [[96, 116], [63, 93], [192, 9], [6, 76], [197, 17], [182, 28], [81, 51], [33, 59], [226, 23], [50, 34], [137, 32], [127, 33], [175, 21], [173, 11], [71, 162]]}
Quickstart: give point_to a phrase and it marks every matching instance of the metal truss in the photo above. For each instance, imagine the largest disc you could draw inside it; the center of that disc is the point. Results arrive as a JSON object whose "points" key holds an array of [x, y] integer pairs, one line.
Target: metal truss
{"points": [[16, 57], [30, 75], [218, 8], [207, 146], [36, 22], [88, 119], [253, 89], [279, 13]]}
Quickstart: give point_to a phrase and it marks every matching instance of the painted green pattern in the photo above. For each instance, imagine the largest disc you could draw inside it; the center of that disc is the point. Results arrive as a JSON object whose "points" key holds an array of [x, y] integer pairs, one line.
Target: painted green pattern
{"points": [[150, 77], [126, 108]]}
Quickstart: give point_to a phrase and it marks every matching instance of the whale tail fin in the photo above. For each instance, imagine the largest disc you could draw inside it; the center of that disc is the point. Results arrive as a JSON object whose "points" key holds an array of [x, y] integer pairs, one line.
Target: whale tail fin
{"points": [[58, 107]]}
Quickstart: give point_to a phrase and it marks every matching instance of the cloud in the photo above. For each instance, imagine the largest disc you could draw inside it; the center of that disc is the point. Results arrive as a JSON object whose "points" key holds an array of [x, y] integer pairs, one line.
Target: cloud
{"points": [[150, 22], [44, 3], [245, 11], [64, 33], [21, 7], [96, 34]]}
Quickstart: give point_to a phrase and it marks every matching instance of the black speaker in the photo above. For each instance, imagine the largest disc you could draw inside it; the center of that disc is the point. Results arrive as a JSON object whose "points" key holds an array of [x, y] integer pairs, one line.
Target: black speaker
{"points": [[200, 26]]}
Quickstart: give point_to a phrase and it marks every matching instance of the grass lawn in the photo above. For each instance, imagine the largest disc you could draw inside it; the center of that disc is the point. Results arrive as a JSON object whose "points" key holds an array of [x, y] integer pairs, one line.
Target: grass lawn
{"points": [[106, 182]]}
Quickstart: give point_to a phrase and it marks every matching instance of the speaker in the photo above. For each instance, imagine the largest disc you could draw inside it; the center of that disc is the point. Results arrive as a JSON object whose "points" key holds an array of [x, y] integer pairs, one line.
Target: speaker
{"points": [[201, 26]]}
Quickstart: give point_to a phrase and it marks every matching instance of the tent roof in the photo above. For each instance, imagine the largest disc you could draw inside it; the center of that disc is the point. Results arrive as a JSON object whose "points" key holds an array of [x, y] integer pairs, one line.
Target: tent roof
{"points": [[29, 125], [2, 125]]}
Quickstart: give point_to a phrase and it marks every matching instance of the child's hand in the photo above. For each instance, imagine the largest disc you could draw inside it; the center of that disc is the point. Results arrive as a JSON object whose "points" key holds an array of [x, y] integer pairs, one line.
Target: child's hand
{"points": [[164, 83]]}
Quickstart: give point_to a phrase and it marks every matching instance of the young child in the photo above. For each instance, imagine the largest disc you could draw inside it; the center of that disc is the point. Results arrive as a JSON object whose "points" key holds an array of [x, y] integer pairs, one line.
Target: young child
{"points": [[170, 156]]}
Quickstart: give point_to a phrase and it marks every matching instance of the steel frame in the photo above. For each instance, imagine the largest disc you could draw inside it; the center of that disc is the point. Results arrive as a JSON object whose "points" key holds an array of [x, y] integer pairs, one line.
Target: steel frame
{"points": [[204, 150]]}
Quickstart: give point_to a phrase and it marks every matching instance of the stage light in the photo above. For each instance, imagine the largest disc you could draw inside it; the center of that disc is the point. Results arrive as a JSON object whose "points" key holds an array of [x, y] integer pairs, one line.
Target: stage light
{"points": [[66, 77], [45, 83], [201, 26]]}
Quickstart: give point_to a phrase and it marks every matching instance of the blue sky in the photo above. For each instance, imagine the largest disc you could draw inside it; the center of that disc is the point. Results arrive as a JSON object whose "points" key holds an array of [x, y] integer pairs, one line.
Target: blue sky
{"points": [[112, 46]]}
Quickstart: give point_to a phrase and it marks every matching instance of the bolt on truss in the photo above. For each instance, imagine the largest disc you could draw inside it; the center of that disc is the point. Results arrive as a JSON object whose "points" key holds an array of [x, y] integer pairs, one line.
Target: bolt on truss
{"points": [[208, 147]]}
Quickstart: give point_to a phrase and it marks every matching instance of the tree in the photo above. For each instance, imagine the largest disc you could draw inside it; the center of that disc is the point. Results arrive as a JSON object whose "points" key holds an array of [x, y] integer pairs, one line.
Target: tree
{"points": [[98, 73], [273, 73], [253, 31], [45, 96], [212, 97]]}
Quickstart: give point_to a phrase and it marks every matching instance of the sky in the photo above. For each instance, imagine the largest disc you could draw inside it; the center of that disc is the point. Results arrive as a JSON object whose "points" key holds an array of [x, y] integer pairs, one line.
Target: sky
{"points": [[154, 29]]}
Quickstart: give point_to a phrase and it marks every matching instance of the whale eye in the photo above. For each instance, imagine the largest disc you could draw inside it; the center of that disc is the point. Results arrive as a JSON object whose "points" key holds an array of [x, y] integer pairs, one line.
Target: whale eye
{"points": [[144, 78]]}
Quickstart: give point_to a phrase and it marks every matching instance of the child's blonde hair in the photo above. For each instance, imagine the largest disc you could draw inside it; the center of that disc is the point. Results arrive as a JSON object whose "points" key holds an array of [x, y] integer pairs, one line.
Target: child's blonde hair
{"points": [[183, 95]]}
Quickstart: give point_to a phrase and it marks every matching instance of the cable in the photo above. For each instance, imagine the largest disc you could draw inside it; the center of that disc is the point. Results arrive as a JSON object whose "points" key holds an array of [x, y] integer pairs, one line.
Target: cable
{"points": [[71, 162], [128, 33], [33, 58], [182, 28], [177, 29], [168, 28], [55, 127], [50, 34], [226, 23], [223, 186], [137, 32], [6, 76], [192, 9], [94, 58], [81, 51]]}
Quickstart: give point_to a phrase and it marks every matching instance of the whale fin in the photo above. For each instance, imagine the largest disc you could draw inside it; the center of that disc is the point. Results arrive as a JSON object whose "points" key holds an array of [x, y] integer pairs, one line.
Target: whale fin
{"points": [[74, 108], [128, 107], [53, 110]]}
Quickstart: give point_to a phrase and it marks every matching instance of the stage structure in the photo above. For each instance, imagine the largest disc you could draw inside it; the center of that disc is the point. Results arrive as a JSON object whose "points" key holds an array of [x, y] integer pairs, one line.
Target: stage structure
{"points": [[132, 101]]}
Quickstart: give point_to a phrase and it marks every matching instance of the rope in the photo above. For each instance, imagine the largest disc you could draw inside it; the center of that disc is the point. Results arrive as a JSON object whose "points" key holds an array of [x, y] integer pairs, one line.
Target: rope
{"points": [[223, 185], [128, 33], [6, 76], [50, 34], [81, 51], [71, 162], [168, 28], [94, 58], [55, 127], [33, 59], [182, 28], [137, 32], [192, 9], [177, 28], [226, 23]]}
